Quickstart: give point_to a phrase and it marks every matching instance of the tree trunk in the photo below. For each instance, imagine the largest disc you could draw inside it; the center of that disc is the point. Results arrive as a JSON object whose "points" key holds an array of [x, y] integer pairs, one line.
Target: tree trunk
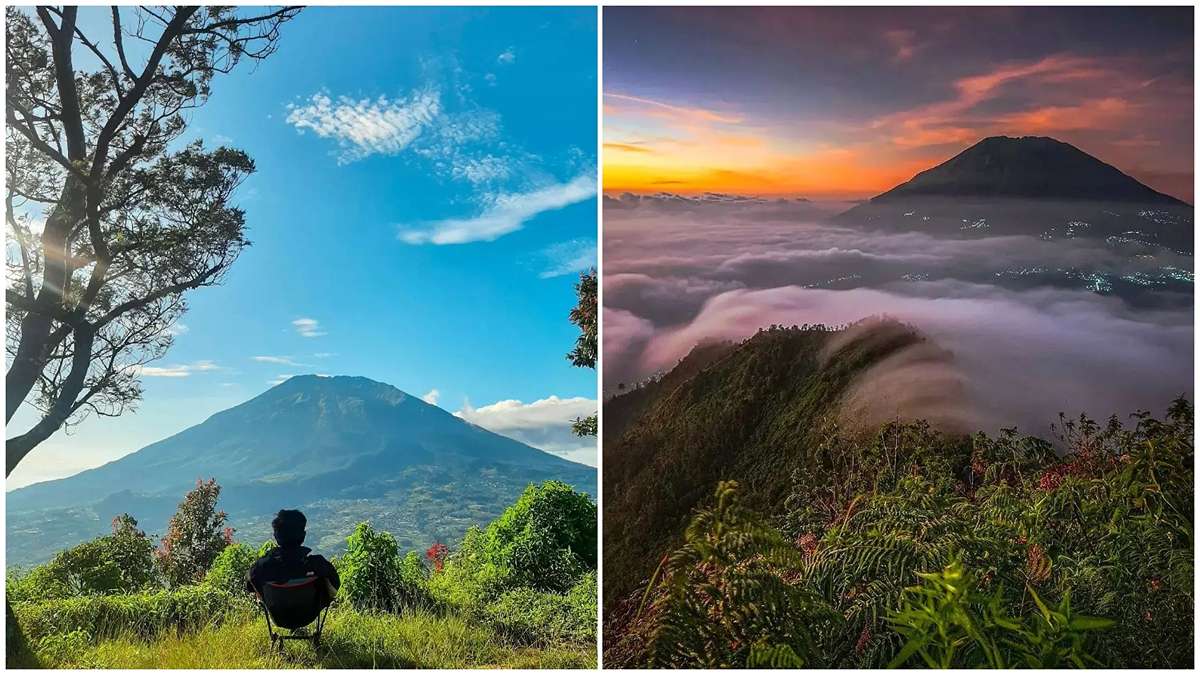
{"points": [[17, 447]]}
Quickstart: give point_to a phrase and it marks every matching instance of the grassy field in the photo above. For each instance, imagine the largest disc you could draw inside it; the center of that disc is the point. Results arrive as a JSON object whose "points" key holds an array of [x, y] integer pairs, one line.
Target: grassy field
{"points": [[351, 640]]}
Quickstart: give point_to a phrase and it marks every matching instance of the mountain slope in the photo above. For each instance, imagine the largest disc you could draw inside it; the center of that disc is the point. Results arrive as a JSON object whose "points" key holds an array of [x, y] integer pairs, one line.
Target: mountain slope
{"points": [[1031, 167], [1034, 186], [753, 412], [342, 449]]}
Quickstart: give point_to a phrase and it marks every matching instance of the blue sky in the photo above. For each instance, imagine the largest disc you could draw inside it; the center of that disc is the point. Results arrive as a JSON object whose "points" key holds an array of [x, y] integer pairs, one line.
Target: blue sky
{"points": [[423, 204]]}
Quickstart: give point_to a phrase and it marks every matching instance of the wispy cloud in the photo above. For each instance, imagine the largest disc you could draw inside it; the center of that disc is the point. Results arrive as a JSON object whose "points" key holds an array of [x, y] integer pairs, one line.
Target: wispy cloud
{"points": [[431, 397], [280, 379], [441, 127], [279, 360], [324, 355], [507, 213], [368, 126], [308, 327], [180, 370], [569, 257]]}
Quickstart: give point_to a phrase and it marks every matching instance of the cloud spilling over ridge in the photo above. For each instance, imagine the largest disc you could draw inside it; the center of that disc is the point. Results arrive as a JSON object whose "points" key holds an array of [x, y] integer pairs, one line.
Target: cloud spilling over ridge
{"points": [[545, 424], [1000, 354]]}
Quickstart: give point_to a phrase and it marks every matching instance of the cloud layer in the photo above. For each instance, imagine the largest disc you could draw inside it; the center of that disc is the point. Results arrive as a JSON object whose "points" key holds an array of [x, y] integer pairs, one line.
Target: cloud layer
{"points": [[1021, 353]]}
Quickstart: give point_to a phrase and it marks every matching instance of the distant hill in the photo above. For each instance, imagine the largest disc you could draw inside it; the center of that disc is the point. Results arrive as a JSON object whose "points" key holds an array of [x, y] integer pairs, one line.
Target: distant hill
{"points": [[342, 449], [750, 412], [1035, 186]]}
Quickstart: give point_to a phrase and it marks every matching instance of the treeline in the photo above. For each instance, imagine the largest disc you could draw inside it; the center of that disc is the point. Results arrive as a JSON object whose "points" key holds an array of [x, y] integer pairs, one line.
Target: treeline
{"points": [[530, 576], [917, 549]]}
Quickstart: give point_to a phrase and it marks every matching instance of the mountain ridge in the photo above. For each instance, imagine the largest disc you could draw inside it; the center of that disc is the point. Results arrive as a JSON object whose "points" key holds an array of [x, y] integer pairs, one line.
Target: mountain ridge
{"points": [[344, 447]]}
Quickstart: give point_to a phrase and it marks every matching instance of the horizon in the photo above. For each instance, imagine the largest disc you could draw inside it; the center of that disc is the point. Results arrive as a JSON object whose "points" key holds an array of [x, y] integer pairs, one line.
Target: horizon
{"points": [[868, 97], [416, 397], [444, 265]]}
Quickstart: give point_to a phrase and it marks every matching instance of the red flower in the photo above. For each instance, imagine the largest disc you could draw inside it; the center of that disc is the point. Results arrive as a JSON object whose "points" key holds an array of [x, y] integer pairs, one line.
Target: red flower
{"points": [[437, 555]]}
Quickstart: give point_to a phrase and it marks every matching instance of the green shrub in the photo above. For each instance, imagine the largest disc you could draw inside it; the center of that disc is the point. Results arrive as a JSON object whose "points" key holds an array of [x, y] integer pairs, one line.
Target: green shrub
{"points": [[947, 623], [546, 542], [91, 568], [1104, 530], [142, 614], [375, 577], [530, 616], [229, 570]]}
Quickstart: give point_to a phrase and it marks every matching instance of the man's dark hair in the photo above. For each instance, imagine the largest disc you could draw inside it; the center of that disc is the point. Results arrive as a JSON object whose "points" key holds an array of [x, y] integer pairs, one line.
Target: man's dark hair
{"points": [[289, 527]]}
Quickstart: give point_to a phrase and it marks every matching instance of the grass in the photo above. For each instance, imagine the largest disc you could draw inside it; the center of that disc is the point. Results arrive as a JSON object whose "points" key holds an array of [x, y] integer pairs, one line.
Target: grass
{"points": [[351, 640]]}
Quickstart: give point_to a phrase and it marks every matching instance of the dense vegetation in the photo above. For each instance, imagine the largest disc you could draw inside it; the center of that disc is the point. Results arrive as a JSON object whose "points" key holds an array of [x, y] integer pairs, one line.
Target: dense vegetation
{"points": [[912, 547], [520, 592], [750, 413]]}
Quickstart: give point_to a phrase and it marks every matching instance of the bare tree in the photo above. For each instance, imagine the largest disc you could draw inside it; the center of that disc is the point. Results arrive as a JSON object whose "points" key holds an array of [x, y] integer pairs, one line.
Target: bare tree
{"points": [[108, 225]]}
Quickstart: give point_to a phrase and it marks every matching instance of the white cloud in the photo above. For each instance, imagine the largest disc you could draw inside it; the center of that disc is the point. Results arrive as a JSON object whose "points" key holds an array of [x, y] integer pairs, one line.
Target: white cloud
{"points": [[366, 127], [180, 370], [486, 169], [544, 424], [280, 379], [324, 355], [569, 257], [279, 360], [177, 328], [308, 327], [507, 56], [431, 397], [507, 213]]}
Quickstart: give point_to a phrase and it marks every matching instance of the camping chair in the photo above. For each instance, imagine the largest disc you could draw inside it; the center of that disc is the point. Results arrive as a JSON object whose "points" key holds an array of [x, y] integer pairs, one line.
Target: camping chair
{"points": [[294, 605]]}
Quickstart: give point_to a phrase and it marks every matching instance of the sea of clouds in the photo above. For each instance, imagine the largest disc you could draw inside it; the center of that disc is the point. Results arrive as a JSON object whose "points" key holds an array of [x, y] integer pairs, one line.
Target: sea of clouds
{"points": [[1000, 355]]}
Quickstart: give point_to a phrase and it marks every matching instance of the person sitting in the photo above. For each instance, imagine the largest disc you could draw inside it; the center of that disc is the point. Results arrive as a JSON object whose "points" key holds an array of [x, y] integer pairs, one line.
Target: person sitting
{"points": [[291, 561]]}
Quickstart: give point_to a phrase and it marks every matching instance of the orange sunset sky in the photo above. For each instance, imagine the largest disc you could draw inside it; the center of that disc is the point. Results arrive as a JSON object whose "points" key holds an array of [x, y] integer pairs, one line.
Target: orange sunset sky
{"points": [[844, 103]]}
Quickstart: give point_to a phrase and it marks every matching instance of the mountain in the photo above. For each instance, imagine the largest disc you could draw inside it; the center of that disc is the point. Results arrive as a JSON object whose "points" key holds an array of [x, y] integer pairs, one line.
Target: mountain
{"points": [[342, 449], [1031, 185], [752, 412]]}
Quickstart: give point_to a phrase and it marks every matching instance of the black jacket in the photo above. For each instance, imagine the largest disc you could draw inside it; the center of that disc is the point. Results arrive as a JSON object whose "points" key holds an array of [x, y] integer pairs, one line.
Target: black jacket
{"points": [[285, 564]]}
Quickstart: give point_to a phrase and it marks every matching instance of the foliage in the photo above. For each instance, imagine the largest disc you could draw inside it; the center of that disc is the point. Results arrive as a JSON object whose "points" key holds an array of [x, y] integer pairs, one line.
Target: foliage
{"points": [[375, 576], [530, 616], [415, 639], [229, 569], [196, 534], [385, 615], [144, 615], [133, 553], [726, 599], [753, 412], [966, 551], [117, 563], [132, 220], [948, 624], [586, 348], [546, 542]]}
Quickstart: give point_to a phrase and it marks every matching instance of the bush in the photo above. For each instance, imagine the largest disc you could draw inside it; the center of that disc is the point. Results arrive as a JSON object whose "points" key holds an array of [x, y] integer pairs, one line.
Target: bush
{"points": [[375, 577], [228, 571], [120, 562], [536, 617], [546, 542], [1104, 530], [143, 615]]}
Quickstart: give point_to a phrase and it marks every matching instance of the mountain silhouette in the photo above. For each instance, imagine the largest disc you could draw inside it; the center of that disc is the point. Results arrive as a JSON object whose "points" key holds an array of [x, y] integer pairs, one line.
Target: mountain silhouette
{"points": [[1034, 186], [342, 449], [1030, 167]]}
